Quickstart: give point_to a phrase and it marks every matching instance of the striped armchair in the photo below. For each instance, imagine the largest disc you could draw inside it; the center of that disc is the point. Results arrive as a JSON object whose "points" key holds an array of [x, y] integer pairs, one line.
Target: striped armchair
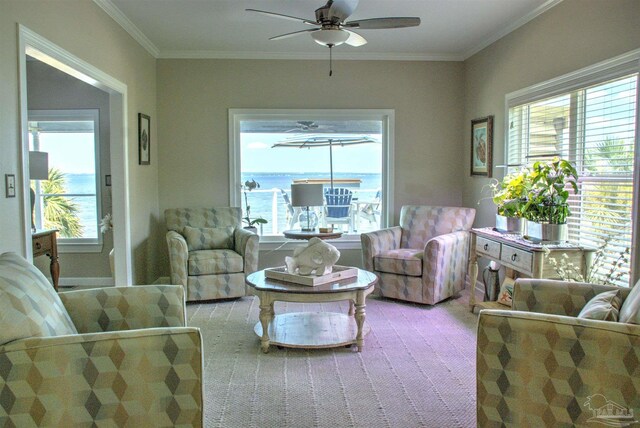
{"points": [[423, 260], [118, 356], [209, 252], [539, 364]]}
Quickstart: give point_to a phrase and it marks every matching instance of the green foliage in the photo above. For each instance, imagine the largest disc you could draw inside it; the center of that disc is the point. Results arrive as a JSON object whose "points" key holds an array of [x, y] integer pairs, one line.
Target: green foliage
{"points": [[60, 212], [509, 195], [547, 195]]}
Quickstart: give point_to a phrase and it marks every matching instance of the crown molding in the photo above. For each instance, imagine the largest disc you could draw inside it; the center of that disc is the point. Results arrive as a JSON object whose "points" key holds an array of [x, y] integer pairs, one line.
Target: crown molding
{"points": [[117, 15], [342, 56], [512, 27]]}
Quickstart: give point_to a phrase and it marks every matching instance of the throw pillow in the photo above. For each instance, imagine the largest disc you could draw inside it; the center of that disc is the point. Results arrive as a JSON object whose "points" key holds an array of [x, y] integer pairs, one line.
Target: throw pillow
{"points": [[505, 296], [604, 307], [29, 306], [630, 310], [208, 238]]}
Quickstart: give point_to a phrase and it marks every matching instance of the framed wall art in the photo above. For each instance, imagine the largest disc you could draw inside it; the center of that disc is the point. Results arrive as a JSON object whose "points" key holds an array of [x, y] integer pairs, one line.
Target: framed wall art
{"points": [[144, 139], [482, 146]]}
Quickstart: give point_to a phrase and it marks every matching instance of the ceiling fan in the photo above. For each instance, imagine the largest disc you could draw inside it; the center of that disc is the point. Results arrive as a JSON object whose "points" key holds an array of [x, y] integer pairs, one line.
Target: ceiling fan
{"points": [[331, 29], [304, 126]]}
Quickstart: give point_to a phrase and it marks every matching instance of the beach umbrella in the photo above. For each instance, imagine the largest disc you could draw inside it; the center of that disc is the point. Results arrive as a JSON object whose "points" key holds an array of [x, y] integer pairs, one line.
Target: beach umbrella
{"points": [[323, 141]]}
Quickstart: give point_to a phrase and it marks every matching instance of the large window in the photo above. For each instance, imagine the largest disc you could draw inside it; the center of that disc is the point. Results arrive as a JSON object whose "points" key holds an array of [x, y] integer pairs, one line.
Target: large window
{"points": [[68, 201], [346, 149], [590, 120]]}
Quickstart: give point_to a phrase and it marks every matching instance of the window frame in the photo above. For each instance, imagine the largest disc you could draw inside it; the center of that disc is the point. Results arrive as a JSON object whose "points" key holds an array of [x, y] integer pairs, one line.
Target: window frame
{"points": [[617, 67], [386, 116], [77, 245]]}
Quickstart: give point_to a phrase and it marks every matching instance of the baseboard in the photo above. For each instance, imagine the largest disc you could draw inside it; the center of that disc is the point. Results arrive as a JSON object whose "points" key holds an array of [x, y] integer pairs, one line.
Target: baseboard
{"points": [[163, 280], [105, 281]]}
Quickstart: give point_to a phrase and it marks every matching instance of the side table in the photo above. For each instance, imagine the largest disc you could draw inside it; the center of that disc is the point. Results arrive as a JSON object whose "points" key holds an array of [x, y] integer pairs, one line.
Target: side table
{"points": [[44, 242]]}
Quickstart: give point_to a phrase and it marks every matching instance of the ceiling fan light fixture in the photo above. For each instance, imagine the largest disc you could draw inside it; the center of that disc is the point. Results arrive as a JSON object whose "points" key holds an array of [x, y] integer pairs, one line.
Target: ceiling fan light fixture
{"points": [[330, 37]]}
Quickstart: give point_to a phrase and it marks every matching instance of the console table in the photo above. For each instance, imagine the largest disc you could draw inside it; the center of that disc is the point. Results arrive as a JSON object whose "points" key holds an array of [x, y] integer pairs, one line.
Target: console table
{"points": [[520, 256], [44, 242]]}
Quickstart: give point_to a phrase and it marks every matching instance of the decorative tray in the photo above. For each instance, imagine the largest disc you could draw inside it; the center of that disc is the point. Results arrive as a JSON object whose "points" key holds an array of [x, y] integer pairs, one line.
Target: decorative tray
{"points": [[339, 273]]}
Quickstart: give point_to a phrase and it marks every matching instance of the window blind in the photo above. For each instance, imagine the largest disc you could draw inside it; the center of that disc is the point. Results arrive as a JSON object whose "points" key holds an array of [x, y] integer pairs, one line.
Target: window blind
{"points": [[594, 127]]}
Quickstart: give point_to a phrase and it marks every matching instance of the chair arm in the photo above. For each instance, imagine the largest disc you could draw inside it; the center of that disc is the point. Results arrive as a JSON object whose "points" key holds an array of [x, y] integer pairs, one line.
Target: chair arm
{"points": [[373, 243], [554, 296], [444, 264], [542, 370], [149, 377], [247, 244], [126, 308], [178, 257]]}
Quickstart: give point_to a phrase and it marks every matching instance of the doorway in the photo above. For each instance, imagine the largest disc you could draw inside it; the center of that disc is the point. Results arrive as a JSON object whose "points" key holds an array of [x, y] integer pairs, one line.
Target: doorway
{"points": [[35, 46]]}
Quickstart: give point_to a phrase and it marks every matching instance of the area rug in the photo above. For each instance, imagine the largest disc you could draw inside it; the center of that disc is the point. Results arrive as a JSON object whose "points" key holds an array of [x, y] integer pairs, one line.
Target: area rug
{"points": [[417, 369]]}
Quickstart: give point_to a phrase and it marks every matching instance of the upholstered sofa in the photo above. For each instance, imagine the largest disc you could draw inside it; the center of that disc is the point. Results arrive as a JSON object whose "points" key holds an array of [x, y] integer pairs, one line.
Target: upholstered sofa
{"points": [[117, 356], [539, 364], [209, 252], [425, 258]]}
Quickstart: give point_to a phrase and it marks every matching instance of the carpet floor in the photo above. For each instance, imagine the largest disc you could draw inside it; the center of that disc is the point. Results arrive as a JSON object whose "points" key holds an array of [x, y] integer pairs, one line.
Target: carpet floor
{"points": [[417, 369]]}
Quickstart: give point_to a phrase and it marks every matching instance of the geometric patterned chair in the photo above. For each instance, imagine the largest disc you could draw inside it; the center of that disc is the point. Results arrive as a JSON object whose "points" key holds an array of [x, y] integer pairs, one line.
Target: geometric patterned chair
{"points": [[540, 365], [116, 356], [209, 252], [423, 260]]}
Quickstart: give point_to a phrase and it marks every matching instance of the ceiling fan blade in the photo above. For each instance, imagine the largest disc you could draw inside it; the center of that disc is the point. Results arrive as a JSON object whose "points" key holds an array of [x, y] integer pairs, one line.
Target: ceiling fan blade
{"points": [[295, 33], [342, 9], [355, 39], [378, 23], [288, 17]]}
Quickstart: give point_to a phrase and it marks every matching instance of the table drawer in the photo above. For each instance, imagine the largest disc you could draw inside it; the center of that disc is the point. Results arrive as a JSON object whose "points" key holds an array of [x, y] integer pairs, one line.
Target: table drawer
{"points": [[42, 245], [488, 247], [517, 258]]}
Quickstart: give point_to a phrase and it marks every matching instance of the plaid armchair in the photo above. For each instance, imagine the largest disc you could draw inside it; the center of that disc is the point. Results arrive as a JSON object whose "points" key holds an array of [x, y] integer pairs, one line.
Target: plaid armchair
{"points": [[423, 260], [209, 252], [118, 356], [540, 365]]}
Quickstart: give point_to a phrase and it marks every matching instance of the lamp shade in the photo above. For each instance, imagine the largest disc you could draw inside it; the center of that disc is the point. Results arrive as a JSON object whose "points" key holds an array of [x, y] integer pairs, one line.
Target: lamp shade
{"points": [[38, 165], [330, 37], [306, 195]]}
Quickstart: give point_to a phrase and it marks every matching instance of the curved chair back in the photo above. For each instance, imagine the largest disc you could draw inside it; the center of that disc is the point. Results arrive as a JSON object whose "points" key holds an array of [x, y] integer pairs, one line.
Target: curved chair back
{"points": [[177, 218], [420, 223], [338, 202]]}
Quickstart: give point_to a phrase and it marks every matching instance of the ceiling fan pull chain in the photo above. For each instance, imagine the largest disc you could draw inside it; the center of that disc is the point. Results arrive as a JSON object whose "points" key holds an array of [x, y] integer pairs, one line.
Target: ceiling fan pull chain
{"points": [[330, 61]]}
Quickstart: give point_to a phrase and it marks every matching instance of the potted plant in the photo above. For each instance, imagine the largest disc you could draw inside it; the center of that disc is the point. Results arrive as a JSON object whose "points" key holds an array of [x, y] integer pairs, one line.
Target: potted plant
{"points": [[546, 209], [251, 222], [509, 195]]}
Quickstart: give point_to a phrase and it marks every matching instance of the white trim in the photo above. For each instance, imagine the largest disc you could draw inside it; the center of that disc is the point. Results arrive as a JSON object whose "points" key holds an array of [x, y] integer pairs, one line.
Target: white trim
{"points": [[278, 243], [117, 15], [388, 134], [511, 27], [31, 43], [105, 281], [320, 55]]}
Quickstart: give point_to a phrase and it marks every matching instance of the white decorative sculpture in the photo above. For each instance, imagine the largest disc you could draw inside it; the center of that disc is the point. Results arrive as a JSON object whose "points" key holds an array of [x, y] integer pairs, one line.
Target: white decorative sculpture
{"points": [[317, 257]]}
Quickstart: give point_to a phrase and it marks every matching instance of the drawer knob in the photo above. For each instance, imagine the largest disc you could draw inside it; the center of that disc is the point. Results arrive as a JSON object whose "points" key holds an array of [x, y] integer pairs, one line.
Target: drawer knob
{"points": [[486, 247], [38, 245], [514, 257]]}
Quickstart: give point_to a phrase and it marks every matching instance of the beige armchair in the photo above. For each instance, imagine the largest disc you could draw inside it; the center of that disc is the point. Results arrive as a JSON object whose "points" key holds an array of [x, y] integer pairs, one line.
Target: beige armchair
{"points": [[540, 365], [117, 356], [423, 260], [209, 252]]}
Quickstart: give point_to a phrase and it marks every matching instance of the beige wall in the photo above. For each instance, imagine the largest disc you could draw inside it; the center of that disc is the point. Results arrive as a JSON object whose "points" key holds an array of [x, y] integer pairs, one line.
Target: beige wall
{"points": [[570, 36], [83, 29], [195, 96]]}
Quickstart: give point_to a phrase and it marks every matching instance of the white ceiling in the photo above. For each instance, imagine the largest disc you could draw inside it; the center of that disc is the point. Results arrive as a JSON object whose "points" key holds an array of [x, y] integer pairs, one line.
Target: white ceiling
{"points": [[450, 29]]}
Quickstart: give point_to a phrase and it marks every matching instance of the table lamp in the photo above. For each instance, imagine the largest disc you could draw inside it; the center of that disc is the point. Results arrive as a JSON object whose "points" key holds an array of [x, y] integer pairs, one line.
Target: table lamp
{"points": [[38, 170], [307, 195]]}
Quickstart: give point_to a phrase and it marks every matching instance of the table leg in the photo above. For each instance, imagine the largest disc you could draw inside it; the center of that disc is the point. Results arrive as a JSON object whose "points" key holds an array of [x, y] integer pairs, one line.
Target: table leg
{"points": [[54, 268], [473, 276], [265, 317], [359, 316], [351, 307]]}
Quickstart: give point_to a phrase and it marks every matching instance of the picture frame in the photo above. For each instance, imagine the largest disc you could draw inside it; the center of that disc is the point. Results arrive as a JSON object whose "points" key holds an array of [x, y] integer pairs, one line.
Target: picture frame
{"points": [[10, 185], [144, 139], [482, 146]]}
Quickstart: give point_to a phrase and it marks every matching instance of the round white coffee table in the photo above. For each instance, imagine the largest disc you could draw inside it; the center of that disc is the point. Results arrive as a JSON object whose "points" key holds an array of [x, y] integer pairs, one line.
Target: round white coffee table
{"points": [[312, 329]]}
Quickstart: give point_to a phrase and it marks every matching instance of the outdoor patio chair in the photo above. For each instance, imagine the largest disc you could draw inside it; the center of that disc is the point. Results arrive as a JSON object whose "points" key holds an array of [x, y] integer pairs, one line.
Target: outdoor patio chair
{"points": [[338, 206]]}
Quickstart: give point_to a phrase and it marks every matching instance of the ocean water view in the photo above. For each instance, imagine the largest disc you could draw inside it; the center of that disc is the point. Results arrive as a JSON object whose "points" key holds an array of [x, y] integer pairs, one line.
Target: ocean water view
{"points": [[263, 201]]}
